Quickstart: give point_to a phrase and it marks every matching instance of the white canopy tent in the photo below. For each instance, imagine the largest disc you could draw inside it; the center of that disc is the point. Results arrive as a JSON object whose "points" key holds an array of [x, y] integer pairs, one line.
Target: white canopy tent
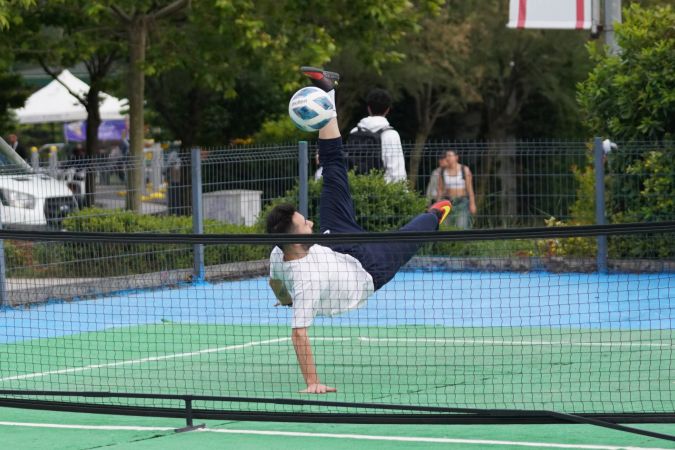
{"points": [[53, 103]]}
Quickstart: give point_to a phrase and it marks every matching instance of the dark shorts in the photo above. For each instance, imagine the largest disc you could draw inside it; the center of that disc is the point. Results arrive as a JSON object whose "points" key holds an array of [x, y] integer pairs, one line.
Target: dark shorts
{"points": [[380, 260]]}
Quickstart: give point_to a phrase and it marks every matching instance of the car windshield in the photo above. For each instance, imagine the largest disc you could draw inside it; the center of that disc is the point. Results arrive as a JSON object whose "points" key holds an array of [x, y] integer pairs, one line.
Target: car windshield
{"points": [[10, 162]]}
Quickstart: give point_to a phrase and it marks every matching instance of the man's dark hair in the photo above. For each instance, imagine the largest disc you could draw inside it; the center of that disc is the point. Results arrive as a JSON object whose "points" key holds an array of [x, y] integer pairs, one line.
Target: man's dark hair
{"points": [[379, 101], [280, 219]]}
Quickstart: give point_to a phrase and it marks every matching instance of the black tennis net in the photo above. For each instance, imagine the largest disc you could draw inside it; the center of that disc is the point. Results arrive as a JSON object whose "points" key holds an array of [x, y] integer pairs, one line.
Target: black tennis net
{"points": [[482, 325]]}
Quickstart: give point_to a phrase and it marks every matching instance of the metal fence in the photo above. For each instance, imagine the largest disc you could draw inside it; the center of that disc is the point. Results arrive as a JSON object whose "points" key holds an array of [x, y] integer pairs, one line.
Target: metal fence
{"points": [[517, 184]]}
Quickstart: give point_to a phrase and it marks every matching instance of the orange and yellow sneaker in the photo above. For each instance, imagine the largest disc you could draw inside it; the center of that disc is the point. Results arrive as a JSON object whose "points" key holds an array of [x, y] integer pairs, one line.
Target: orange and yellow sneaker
{"points": [[441, 209]]}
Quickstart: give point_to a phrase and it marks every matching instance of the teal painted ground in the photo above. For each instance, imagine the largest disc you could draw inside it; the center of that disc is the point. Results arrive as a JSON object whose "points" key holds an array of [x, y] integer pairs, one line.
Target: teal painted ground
{"points": [[574, 343]]}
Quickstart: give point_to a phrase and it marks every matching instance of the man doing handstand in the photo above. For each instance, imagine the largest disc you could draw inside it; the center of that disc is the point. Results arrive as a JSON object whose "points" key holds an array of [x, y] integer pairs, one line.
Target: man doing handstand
{"points": [[319, 280]]}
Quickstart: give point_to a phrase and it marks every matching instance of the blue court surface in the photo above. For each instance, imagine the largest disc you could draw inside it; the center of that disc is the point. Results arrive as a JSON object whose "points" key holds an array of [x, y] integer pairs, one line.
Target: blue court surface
{"points": [[564, 342], [536, 299]]}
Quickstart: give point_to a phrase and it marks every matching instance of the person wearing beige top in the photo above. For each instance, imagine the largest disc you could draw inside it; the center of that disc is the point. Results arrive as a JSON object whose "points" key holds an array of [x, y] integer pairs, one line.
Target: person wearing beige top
{"points": [[454, 181]]}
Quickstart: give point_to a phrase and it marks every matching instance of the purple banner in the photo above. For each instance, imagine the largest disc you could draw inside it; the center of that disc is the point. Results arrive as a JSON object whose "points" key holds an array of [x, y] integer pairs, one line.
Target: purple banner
{"points": [[110, 130]]}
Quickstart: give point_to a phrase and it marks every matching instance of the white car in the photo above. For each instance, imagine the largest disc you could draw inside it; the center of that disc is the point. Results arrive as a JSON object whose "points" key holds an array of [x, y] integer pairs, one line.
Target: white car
{"points": [[29, 199]]}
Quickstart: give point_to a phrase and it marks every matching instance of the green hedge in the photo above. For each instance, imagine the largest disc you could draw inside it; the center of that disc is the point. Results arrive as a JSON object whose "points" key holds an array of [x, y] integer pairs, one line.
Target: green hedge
{"points": [[92, 259], [379, 206]]}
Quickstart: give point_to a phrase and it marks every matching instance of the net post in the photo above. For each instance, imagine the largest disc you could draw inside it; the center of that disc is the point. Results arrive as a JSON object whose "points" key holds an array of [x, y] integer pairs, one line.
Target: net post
{"points": [[599, 156], [189, 418], [197, 213], [303, 163]]}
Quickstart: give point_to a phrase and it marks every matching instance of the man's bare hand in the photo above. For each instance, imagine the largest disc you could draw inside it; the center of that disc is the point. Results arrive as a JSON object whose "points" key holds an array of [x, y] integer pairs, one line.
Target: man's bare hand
{"points": [[318, 389]]}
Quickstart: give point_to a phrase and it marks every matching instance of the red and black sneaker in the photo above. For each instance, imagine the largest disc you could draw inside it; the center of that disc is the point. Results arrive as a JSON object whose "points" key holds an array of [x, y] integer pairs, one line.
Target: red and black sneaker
{"points": [[320, 78], [441, 209]]}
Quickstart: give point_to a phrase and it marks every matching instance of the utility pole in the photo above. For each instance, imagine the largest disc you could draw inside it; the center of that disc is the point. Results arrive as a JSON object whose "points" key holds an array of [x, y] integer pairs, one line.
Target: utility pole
{"points": [[612, 16]]}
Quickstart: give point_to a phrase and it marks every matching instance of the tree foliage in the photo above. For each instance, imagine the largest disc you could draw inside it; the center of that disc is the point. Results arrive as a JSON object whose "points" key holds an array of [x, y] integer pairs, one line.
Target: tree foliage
{"points": [[13, 90], [437, 73], [631, 95], [388, 210], [59, 35], [239, 59], [9, 15]]}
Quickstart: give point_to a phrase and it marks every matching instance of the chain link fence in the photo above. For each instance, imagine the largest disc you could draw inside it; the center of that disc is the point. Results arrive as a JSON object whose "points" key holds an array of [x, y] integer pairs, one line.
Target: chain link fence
{"points": [[516, 184]]}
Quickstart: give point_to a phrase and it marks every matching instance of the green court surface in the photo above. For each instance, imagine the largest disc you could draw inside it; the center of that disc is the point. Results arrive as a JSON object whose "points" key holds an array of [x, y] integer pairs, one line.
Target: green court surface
{"points": [[567, 343], [505, 368], [25, 429]]}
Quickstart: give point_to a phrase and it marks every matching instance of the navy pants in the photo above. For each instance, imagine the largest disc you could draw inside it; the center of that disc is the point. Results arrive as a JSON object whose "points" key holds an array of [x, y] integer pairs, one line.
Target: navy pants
{"points": [[380, 260]]}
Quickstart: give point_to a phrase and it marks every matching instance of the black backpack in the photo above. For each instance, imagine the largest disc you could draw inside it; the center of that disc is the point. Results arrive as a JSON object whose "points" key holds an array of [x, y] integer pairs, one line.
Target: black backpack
{"points": [[363, 150]]}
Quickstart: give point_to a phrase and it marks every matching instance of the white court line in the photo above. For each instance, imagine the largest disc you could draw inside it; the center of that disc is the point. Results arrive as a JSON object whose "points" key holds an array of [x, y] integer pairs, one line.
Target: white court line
{"points": [[144, 360], [330, 338], [502, 342], [84, 427], [160, 358], [363, 437], [426, 439]]}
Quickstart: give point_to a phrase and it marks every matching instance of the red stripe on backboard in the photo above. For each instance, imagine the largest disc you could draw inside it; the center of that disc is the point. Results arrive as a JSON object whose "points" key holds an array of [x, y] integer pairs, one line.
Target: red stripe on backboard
{"points": [[580, 14], [522, 13]]}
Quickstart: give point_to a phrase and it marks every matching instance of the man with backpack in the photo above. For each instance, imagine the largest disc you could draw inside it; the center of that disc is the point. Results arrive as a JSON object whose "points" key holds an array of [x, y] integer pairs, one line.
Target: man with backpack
{"points": [[374, 144]]}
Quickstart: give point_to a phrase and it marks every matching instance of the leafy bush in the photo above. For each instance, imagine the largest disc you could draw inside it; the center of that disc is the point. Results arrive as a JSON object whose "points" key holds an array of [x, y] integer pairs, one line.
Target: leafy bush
{"points": [[386, 207], [579, 247], [629, 97], [95, 259], [278, 129], [379, 206], [482, 249]]}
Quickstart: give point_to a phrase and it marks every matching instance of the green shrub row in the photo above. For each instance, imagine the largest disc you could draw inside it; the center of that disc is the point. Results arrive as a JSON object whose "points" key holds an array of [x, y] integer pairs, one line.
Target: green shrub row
{"points": [[379, 207], [94, 259]]}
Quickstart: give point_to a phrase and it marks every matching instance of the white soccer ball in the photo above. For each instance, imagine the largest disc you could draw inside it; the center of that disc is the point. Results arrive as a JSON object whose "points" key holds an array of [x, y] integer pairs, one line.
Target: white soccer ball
{"points": [[311, 109]]}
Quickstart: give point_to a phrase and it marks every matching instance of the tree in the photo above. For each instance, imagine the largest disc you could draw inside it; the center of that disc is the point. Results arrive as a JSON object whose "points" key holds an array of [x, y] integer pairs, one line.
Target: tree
{"points": [[436, 73], [8, 11], [517, 68], [59, 35], [630, 97], [13, 91], [255, 49], [137, 18], [228, 49]]}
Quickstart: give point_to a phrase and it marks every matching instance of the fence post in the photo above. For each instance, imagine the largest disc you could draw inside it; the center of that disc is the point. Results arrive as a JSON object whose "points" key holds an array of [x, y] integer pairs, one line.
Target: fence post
{"points": [[599, 156], [197, 213], [34, 158], [3, 270], [53, 161], [303, 165]]}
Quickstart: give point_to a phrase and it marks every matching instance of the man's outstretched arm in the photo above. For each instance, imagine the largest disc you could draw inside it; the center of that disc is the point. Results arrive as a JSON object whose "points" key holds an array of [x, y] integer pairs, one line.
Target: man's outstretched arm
{"points": [[303, 351], [280, 292]]}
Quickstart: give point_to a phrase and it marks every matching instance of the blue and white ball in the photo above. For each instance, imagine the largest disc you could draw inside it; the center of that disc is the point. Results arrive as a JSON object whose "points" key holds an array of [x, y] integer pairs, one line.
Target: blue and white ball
{"points": [[311, 109]]}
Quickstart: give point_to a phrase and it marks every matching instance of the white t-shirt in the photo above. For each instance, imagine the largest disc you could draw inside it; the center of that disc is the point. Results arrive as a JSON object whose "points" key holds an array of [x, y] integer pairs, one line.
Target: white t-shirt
{"points": [[323, 283], [392, 150]]}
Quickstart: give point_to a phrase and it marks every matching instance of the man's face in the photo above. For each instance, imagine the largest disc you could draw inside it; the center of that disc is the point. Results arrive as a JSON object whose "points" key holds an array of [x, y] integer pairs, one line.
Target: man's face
{"points": [[11, 138], [302, 225]]}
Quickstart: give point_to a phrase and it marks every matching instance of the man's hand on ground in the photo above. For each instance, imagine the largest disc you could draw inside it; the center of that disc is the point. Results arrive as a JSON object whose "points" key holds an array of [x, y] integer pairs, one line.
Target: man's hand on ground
{"points": [[318, 389]]}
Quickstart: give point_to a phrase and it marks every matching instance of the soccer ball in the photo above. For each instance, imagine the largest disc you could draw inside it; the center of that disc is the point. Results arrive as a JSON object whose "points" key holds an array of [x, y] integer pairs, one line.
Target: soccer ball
{"points": [[311, 109]]}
